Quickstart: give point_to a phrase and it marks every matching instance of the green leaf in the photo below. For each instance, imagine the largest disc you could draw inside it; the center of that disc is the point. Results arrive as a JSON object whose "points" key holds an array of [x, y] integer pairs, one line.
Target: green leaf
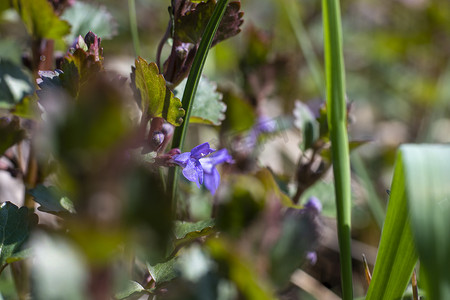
{"points": [[163, 272], [10, 133], [132, 289], [396, 256], [208, 107], [153, 96], [14, 84], [427, 177], [40, 19], [86, 17], [188, 231], [15, 226], [51, 200], [78, 68], [27, 108]]}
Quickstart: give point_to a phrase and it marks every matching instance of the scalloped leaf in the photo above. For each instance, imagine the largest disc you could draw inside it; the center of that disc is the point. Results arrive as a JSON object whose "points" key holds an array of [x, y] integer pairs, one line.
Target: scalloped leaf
{"points": [[153, 96], [190, 25], [51, 200], [78, 68], [86, 17], [208, 107], [15, 226], [40, 19]]}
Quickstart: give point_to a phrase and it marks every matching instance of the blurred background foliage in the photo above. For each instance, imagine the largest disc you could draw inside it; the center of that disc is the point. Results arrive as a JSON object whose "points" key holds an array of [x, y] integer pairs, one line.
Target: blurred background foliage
{"points": [[398, 83]]}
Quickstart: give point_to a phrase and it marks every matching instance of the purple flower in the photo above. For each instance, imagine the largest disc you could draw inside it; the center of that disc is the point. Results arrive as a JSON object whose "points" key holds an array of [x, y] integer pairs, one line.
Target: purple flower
{"points": [[198, 168], [212, 176], [314, 205], [311, 256]]}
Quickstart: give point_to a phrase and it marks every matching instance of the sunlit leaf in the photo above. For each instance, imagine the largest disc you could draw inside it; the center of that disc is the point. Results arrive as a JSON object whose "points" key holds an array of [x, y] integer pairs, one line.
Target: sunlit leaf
{"points": [[208, 107], [51, 200], [40, 19], [86, 17], [15, 226], [14, 84], [154, 97], [163, 272]]}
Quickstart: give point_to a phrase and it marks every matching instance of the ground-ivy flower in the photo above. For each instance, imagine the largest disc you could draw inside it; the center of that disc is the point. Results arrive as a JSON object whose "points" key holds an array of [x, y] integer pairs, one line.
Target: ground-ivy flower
{"points": [[189, 161], [211, 175], [198, 168]]}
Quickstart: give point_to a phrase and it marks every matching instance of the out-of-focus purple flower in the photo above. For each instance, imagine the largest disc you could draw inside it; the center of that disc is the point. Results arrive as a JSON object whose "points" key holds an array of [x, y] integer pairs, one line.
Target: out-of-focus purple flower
{"points": [[198, 168], [311, 256], [313, 204], [265, 125]]}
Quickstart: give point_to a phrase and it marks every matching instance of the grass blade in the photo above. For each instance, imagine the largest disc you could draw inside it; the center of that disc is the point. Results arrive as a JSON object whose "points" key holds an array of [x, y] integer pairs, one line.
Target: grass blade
{"points": [[396, 254], [427, 176], [337, 122], [192, 84], [417, 218]]}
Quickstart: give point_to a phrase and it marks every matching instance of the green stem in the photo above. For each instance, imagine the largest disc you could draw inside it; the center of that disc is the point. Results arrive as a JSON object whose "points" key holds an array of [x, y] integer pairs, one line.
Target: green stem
{"points": [[305, 44], [337, 122], [133, 27], [192, 83]]}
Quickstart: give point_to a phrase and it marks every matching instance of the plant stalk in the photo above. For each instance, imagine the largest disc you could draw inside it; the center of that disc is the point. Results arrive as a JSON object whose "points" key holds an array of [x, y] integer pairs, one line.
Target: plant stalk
{"points": [[133, 27], [337, 122], [192, 84]]}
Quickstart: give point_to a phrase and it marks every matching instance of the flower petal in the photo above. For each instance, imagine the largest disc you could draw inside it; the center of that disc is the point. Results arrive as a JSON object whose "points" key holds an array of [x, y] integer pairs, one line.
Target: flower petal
{"points": [[212, 180], [221, 156], [182, 159], [201, 150], [194, 172]]}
